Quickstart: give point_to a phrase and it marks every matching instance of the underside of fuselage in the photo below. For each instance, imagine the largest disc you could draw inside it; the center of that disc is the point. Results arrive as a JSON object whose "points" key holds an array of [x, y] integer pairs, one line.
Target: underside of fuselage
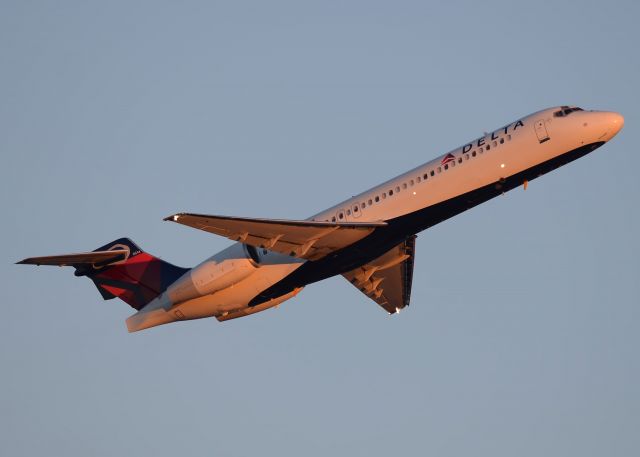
{"points": [[402, 227]]}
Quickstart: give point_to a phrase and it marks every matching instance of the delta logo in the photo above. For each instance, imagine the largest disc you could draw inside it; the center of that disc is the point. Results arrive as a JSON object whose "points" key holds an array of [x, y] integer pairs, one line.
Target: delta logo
{"points": [[448, 158]]}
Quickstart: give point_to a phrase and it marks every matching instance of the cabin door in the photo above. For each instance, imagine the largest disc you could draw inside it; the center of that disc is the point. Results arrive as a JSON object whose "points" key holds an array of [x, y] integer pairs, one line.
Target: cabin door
{"points": [[541, 131]]}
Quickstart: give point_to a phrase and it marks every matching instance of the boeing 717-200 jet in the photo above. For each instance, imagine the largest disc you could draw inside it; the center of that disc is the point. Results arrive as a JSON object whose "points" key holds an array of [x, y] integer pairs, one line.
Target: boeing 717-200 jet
{"points": [[369, 239]]}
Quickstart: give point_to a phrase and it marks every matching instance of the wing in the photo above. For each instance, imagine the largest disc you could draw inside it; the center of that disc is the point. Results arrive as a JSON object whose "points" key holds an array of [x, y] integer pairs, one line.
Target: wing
{"points": [[310, 240], [92, 258], [387, 279]]}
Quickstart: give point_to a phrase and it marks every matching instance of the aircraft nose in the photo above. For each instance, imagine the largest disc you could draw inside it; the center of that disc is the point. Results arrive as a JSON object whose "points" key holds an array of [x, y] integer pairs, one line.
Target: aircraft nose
{"points": [[615, 121]]}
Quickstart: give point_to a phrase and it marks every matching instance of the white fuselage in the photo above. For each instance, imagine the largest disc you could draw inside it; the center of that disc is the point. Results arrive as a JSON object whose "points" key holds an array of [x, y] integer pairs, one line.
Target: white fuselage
{"points": [[501, 153], [224, 285]]}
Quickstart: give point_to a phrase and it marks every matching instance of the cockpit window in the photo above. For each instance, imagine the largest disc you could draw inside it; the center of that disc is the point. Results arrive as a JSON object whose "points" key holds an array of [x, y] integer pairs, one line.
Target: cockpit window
{"points": [[566, 110]]}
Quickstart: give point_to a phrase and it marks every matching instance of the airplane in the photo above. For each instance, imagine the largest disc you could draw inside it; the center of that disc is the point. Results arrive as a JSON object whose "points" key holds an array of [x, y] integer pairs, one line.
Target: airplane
{"points": [[369, 239]]}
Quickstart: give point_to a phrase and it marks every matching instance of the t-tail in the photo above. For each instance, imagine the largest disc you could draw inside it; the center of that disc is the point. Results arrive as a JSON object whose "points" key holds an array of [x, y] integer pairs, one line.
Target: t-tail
{"points": [[119, 269]]}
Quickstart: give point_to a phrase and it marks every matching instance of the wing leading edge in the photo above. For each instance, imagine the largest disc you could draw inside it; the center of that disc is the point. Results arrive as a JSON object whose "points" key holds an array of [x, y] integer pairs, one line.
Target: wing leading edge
{"points": [[387, 279], [310, 240]]}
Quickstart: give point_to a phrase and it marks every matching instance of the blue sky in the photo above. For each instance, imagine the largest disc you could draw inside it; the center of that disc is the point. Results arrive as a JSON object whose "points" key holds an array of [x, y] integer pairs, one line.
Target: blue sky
{"points": [[522, 334]]}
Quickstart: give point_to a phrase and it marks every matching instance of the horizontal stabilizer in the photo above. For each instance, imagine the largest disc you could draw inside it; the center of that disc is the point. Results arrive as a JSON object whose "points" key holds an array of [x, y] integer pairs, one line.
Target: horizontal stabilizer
{"points": [[92, 258], [309, 240], [119, 269]]}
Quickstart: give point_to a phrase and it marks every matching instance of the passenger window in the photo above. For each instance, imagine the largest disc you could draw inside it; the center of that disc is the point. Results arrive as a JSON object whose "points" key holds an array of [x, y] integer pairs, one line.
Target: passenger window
{"points": [[439, 169], [446, 166], [466, 157], [384, 195], [398, 189], [418, 179], [473, 154], [404, 185], [333, 219], [501, 140], [509, 137], [355, 209], [390, 192], [495, 143], [425, 176], [377, 199], [348, 212], [363, 205], [488, 147], [432, 173], [370, 202], [411, 182], [481, 150], [459, 159], [341, 216]]}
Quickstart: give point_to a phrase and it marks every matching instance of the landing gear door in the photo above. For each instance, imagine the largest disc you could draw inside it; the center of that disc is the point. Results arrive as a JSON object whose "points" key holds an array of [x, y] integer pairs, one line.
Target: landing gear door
{"points": [[541, 131]]}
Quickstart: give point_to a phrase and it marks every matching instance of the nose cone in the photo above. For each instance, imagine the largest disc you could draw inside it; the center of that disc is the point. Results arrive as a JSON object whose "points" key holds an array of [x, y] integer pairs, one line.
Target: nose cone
{"points": [[615, 122]]}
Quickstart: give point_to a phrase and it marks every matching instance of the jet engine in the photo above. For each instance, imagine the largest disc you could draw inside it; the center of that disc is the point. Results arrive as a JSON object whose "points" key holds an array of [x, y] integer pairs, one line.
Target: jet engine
{"points": [[223, 270]]}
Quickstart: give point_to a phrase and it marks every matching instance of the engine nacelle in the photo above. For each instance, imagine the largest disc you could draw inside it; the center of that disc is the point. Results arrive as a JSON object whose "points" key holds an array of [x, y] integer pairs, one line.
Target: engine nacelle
{"points": [[223, 270]]}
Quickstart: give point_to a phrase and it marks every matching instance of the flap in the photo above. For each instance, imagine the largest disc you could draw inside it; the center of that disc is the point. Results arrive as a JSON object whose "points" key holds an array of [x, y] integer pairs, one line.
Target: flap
{"points": [[387, 279], [93, 258], [309, 240]]}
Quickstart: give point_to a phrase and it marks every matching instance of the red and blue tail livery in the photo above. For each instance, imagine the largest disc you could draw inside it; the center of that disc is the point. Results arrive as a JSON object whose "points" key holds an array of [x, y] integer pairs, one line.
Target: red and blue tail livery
{"points": [[369, 238], [136, 280], [120, 269]]}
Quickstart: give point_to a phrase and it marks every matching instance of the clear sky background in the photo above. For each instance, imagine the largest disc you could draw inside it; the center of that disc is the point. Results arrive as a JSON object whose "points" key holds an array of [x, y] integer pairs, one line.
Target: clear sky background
{"points": [[523, 332]]}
